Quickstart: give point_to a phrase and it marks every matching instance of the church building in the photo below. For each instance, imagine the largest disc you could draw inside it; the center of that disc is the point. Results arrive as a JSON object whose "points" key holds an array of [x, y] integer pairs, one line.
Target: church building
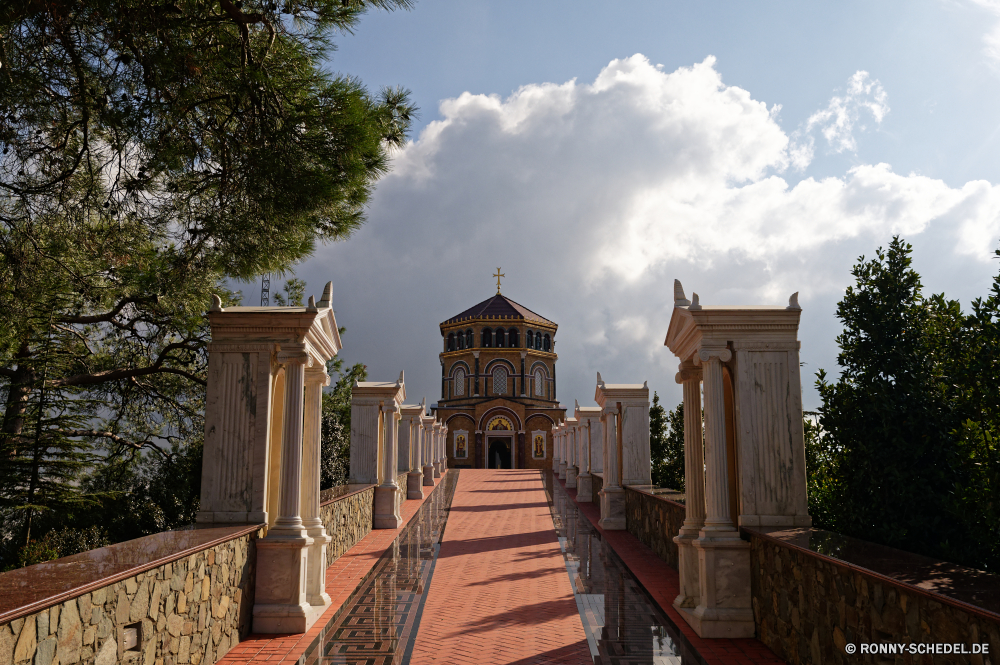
{"points": [[498, 386]]}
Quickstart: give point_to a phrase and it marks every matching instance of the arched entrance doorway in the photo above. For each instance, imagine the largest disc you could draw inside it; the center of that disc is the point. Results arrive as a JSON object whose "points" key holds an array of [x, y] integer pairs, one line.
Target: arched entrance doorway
{"points": [[498, 453]]}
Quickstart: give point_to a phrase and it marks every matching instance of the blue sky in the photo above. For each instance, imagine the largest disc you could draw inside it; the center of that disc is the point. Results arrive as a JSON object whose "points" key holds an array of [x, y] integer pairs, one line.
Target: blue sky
{"points": [[595, 151]]}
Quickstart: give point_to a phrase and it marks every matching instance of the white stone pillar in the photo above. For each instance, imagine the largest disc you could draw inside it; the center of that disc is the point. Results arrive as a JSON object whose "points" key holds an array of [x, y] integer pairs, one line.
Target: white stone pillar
{"points": [[561, 447], [316, 378], [281, 603], [414, 432], [612, 494], [694, 487], [387, 494], [427, 423], [723, 608], [556, 453], [573, 462], [436, 460], [444, 448], [717, 517]]}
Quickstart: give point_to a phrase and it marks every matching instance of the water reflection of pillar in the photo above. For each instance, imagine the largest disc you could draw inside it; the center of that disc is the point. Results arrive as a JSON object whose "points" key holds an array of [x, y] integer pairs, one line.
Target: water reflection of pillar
{"points": [[614, 605]]}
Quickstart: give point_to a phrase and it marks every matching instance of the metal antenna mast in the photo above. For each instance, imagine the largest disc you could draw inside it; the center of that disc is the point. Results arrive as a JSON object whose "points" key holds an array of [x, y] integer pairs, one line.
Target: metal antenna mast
{"points": [[265, 290]]}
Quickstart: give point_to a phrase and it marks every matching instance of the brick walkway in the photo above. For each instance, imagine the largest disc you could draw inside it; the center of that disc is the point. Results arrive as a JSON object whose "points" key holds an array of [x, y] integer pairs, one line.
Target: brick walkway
{"points": [[341, 579], [500, 592], [663, 584]]}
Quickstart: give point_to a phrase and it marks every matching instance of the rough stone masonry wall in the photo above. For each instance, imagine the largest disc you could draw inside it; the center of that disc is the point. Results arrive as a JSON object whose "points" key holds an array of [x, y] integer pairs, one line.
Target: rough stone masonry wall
{"points": [[190, 611], [347, 520], [808, 608], [654, 521]]}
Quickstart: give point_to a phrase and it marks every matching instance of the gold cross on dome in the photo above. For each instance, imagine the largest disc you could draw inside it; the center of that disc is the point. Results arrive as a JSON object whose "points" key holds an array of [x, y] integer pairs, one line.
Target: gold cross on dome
{"points": [[498, 275]]}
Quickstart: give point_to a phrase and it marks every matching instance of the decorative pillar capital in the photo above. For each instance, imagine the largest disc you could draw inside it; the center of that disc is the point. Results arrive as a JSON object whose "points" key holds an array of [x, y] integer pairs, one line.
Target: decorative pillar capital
{"points": [[295, 354], [706, 353], [687, 371]]}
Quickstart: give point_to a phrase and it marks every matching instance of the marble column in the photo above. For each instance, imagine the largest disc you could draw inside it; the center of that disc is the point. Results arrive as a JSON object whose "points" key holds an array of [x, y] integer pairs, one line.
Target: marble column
{"points": [[281, 603], [556, 455], [723, 608], [689, 377], [427, 425], [612, 494], [572, 466], [561, 447], [387, 494], [444, 448], [316, 378], [414, 462], [437, 450], [585, 481]]}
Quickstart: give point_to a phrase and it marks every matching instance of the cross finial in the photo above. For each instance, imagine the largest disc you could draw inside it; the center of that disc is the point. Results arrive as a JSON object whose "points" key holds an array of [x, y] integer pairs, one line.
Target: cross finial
{"points": [[498, 275]]}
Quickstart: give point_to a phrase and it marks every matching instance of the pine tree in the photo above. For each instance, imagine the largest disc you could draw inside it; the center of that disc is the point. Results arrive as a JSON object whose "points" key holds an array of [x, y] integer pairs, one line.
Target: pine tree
{"points": [[666, 445]]}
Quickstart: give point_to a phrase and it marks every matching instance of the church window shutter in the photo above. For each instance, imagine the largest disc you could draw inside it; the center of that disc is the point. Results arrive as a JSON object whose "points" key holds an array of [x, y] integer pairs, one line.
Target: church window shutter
{"points": [[469, 339], [512, 338], [538, 341], [487, 338], [451, 341], [548, 344], [459, 383], [500, 338], [529, 340], [539, 383], [499, 381]]}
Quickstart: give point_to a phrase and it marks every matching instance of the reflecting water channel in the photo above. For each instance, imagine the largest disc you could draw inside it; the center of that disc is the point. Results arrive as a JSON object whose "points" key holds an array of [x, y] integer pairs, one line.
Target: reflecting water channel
{"points": [[624, 625], [378, 623]]}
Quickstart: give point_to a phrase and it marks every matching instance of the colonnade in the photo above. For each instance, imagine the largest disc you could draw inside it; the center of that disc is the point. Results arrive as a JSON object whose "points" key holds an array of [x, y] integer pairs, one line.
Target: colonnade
{"points": [[609, 441], [744, 459], [395, 446]]}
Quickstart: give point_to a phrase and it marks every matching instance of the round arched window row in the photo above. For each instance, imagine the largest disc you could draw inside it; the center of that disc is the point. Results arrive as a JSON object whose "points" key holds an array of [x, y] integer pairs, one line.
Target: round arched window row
{"points": [[451, 341], [513, 338], [529, 340], [487, 338], [501, 335], [547, 343], [469, 339]]}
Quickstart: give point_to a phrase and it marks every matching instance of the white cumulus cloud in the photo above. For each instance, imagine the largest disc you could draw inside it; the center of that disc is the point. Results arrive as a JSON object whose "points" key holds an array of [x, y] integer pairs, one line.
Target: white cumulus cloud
{"points": [[593, 196]]}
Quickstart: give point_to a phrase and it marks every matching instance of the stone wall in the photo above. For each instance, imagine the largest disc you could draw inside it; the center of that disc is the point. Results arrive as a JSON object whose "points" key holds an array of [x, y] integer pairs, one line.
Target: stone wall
{"points": [[347, 519], [654, 520], [808, 607], [192, 610]]}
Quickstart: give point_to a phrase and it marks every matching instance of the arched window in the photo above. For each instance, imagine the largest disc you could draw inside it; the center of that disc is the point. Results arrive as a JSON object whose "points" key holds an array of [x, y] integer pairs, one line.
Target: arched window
{"points": [[451, 341], [459, 383], [512, 338], [499, 381], [547, 343], [529, 340], [501, 338], [539, 383], [460, 338], [538, 341], [487, 338], [469, 339]]}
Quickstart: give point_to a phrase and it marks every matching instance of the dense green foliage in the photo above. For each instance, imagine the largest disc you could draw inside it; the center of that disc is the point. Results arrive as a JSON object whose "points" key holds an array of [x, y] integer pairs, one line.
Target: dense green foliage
{"points": [[150, 153], [666, 445], [905, 453]]}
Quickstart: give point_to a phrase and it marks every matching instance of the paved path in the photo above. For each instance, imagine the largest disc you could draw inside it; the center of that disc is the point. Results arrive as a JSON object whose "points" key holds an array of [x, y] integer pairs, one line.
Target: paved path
{"points": [[500, 592]]}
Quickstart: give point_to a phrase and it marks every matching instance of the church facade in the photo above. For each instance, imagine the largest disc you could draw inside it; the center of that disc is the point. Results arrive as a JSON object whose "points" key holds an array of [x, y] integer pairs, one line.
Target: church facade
{"points": [[498, 386]]}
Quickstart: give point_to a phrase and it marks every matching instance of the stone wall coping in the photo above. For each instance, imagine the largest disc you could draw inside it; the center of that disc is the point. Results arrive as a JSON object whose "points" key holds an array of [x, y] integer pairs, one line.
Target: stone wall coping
{"points": [[34, 588], [968, 589], [341, 492], [657, 493]]}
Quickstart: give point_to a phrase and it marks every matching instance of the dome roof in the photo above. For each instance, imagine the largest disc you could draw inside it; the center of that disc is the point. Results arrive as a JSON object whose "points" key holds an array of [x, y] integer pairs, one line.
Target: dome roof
{"points": [[499, 307]]}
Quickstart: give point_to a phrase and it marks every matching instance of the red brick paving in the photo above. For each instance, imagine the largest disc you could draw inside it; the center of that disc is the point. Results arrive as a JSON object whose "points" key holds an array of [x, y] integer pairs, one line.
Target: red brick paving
{"points": [[663, 584], [341, 579], [500, 592]]}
